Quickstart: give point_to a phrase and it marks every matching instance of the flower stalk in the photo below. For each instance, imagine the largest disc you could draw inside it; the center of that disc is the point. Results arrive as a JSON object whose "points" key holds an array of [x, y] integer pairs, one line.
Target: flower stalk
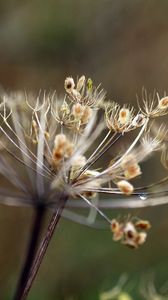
{"points": [[42, 249], [36, 229]]}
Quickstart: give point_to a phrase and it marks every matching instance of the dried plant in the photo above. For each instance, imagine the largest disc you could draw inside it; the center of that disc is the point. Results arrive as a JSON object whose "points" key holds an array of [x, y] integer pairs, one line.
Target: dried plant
{"points": [[49, 161]]}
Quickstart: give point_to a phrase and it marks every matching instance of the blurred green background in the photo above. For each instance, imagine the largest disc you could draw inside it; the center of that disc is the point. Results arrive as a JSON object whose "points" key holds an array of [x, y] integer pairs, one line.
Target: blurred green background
{"points": [[124, 45]]}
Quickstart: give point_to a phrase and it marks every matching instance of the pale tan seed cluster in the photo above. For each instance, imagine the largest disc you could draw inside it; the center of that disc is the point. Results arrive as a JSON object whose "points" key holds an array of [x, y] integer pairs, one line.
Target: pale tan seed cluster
{"points": [[63, 149], [81, 113], [125, 187], [130, 167], [131, 234]]}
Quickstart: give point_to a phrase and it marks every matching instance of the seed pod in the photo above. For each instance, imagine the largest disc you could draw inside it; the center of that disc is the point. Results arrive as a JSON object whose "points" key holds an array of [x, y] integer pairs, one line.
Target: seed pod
{"points": [[142, 224], [80, 83], [124, 116], [141, 238], [139, 120]]}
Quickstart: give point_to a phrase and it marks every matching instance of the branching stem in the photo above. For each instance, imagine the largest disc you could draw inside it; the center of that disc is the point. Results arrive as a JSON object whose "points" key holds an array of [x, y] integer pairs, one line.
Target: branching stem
{"points": [[36, 228], [43, 247]]}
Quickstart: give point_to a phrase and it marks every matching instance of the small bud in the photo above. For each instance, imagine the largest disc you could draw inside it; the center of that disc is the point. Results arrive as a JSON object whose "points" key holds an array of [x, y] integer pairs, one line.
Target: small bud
{"points": [[69, 84], [89, 85], [163, 103], [80, 83], [125, 187]]}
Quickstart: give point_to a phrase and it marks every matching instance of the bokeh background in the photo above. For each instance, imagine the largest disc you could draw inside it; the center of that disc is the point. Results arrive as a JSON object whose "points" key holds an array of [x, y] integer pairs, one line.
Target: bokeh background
{"points": [[124, 45]]}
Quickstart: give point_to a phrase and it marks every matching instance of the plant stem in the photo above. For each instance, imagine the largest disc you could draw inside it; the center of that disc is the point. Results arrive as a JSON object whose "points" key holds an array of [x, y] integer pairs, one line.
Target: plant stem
{"points": [[36, 228], [43, 247]]}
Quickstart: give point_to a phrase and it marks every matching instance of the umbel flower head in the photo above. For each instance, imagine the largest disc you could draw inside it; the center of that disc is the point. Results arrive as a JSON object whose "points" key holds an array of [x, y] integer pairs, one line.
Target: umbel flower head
{"points": [[69, 150]]}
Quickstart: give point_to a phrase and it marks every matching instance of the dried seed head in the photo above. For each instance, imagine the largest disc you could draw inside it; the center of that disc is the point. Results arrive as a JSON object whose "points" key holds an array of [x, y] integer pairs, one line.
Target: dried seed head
{"points": [[119, 119], [129, 234], [69, 84], [125, 187], [163, 103]]}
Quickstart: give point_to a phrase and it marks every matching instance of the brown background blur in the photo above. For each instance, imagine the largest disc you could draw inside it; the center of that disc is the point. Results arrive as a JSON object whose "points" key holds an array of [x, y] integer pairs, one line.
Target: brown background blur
{"points": [[124, 45]]}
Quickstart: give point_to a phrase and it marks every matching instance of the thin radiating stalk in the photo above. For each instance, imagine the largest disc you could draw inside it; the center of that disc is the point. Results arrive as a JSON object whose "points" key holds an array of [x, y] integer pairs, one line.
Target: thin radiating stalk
{"points": [[100, 154], [36, 229], [43, 247]]}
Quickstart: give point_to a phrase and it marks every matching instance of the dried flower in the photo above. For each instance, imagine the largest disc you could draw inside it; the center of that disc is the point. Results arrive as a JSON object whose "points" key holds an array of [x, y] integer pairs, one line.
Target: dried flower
{"points": [[48, 143], [48, 158], [129, 233]]}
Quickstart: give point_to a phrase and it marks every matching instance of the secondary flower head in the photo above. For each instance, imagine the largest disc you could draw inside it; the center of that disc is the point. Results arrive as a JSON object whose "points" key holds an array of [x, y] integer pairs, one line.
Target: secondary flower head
{"points": [[51, 153]]}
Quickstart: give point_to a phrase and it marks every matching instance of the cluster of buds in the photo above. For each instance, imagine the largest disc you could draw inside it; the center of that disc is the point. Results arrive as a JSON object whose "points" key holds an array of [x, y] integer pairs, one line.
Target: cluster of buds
{"points": [[84, 92], [73, 91], [130, 234]]}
